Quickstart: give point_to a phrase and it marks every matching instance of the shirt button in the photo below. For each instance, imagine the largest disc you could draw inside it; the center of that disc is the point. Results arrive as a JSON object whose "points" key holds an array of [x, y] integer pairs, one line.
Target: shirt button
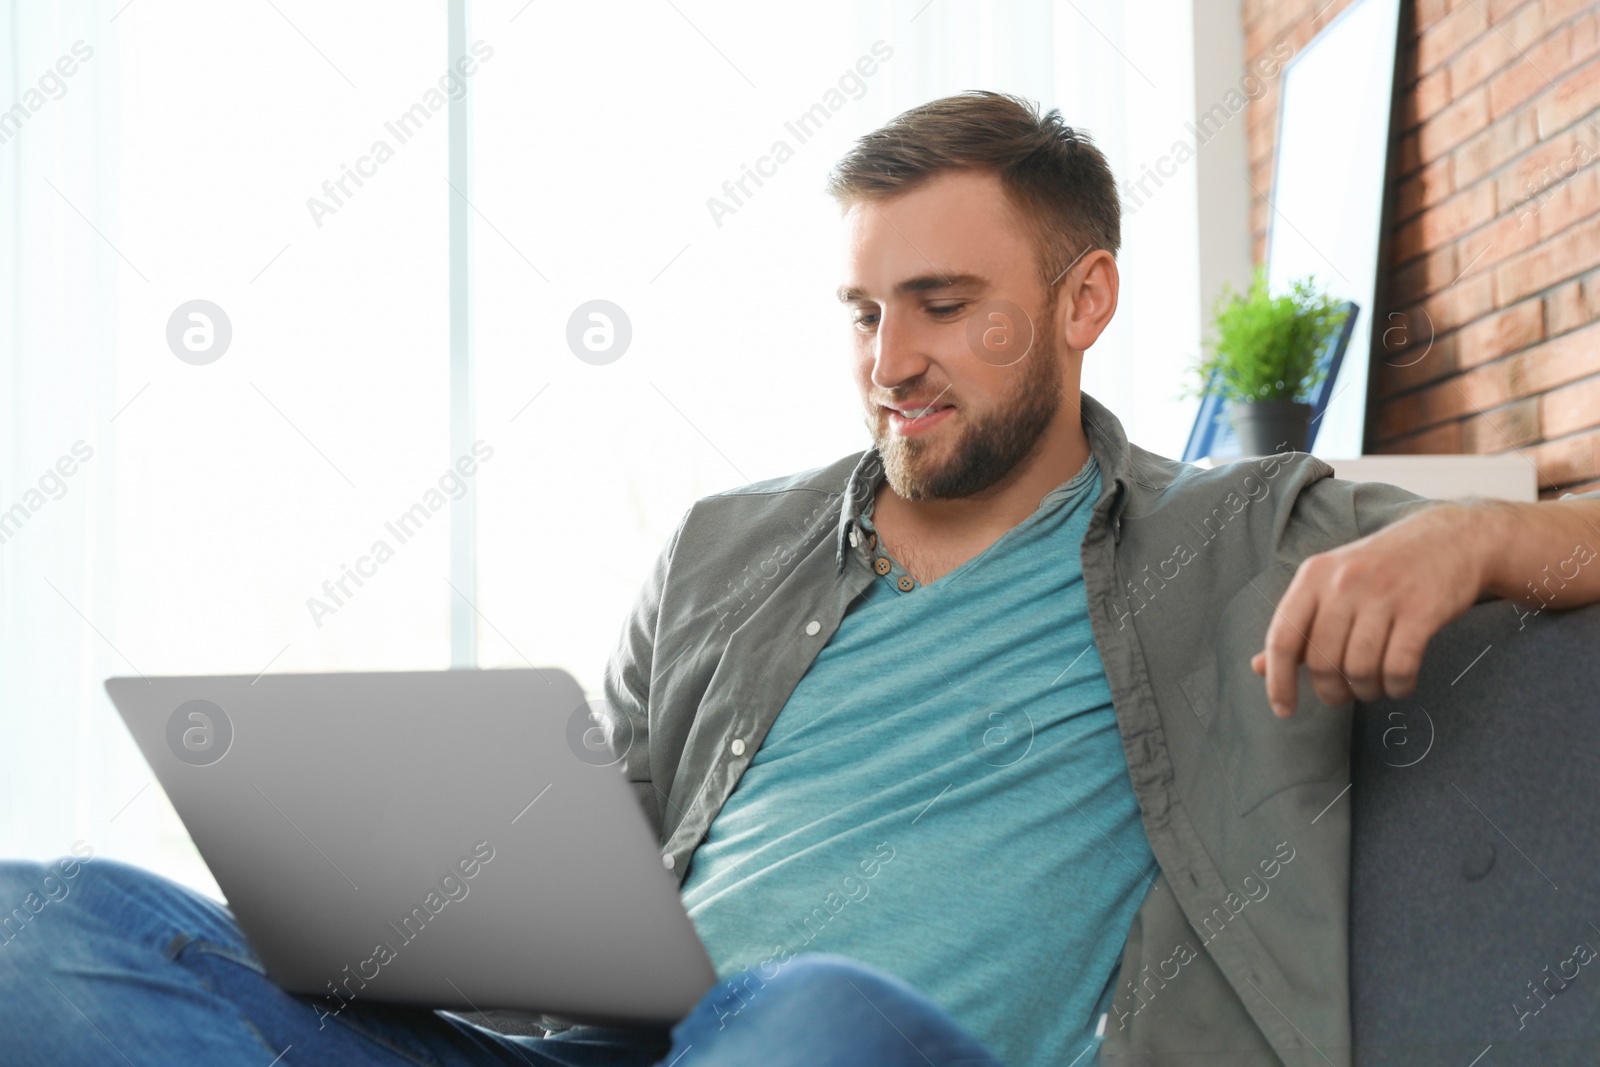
{"points": [[905, 583], [737, 746], [666, 861], [813, 627], [872, 540], [882, 565]]}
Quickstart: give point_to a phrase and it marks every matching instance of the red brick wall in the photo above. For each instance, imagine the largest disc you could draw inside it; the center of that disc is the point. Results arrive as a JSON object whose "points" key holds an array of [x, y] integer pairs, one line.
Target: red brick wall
{"points": [[1491, 281]]}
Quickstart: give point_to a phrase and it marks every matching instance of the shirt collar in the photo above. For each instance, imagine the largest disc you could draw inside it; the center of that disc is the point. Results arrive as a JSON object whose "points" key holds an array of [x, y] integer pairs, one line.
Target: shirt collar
{"points": [[1107, 443]]}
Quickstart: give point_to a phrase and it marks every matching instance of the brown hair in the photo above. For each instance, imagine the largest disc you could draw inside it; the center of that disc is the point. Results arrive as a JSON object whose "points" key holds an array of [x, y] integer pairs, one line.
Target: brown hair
{"points": [[1059, 184]]}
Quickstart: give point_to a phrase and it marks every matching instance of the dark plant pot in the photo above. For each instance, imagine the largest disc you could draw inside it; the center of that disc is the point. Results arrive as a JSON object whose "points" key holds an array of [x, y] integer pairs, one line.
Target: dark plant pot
{"points": [[1265, 427]]}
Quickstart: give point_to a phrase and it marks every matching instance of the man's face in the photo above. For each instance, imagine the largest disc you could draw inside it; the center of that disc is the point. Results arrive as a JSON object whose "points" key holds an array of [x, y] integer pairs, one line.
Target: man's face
{"points": [[953, 335]]}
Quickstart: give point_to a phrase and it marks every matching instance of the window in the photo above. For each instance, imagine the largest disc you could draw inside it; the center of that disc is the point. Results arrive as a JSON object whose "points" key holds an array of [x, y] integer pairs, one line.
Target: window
{"points": [[228, 516]]}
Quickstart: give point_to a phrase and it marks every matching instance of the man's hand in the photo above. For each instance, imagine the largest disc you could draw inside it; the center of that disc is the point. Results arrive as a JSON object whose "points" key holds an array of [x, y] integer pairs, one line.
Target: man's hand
{"points": [[1361, 615]]}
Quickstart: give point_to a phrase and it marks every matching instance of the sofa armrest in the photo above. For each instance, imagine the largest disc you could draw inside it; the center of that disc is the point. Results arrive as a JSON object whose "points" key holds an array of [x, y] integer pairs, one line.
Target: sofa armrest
{"points": [[1475, 867]]}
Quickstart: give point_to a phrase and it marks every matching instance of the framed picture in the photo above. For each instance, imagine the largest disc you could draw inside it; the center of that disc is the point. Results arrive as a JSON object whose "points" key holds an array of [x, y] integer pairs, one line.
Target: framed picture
{"points": [[1327, 208]]}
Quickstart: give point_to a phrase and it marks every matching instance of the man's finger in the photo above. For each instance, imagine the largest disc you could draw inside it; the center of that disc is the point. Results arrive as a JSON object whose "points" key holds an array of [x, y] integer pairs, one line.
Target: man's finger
{"points": [[1286, 642], [1325, 651], [1402, 658], [1364, 654]]}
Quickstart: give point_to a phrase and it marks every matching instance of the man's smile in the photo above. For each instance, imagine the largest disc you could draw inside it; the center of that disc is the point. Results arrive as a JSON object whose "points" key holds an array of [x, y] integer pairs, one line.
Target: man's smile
{"points": [[918, 418]]}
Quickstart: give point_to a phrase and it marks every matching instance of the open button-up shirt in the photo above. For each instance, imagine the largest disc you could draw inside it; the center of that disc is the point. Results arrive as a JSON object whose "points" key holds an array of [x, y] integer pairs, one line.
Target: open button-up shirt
{"points": [[1239, 953]]}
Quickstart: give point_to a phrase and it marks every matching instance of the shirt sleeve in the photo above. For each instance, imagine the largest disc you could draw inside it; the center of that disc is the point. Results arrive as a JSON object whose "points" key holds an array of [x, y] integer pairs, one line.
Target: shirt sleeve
{"points": [[626, 685], [1330, 512], [1370, 506], [1379, 504]]}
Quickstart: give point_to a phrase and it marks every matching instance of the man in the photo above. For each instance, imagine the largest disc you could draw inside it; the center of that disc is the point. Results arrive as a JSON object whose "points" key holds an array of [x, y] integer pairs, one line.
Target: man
{"points": [[964, 746]]}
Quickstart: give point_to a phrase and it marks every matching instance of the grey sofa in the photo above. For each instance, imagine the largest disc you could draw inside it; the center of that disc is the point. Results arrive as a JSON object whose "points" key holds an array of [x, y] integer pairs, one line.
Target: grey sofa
{"points": [[1475, 869], [1475, 866]]}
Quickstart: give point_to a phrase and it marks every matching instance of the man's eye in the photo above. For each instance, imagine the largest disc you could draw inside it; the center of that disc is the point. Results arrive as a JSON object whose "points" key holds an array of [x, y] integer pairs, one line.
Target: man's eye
{"points": [[866, 318], [946, 309]]}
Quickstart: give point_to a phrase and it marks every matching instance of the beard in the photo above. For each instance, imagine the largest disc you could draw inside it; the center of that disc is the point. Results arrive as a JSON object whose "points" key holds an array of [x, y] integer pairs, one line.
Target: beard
{"points": [[987, 447]]}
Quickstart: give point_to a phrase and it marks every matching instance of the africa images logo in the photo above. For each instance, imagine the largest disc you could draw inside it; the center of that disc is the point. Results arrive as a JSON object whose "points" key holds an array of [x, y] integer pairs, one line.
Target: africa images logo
{"points": [[199, 732]]}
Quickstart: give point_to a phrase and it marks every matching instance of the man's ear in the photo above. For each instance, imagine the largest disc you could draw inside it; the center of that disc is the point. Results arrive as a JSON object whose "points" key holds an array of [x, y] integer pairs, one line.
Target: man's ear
{"points": [[1088, 299]]}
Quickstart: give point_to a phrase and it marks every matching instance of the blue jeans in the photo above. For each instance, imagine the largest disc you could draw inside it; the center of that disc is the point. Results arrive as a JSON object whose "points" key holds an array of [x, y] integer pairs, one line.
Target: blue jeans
{"points": [[114, 965]]}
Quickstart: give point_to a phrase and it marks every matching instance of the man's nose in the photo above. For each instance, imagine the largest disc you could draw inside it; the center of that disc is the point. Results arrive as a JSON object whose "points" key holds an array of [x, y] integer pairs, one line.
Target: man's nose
{"points": [[897, 354]]}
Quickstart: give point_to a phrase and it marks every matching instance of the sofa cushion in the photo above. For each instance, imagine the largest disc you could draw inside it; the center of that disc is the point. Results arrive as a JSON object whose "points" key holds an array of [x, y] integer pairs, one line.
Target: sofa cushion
{"points": [[1475, 873]]}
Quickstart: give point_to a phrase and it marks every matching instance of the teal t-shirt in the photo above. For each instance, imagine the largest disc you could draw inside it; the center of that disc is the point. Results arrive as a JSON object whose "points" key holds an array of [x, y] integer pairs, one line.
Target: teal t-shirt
{"points": [[945, 797]]}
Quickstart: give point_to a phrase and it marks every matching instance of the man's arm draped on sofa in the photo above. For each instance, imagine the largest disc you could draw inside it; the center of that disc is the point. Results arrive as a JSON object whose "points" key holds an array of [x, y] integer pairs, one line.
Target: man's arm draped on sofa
{"points": [[1361, 615]]}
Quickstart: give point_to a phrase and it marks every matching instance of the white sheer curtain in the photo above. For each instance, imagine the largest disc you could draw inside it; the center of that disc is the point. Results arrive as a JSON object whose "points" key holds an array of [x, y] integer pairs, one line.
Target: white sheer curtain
{"points": [[177, 166], [58, 392], [1124, 73], [595, 168], [204, 152]]}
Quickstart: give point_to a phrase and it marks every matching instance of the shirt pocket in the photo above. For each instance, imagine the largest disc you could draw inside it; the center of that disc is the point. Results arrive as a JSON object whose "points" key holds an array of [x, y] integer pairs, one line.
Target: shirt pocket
{"points": [[1261, 754]]}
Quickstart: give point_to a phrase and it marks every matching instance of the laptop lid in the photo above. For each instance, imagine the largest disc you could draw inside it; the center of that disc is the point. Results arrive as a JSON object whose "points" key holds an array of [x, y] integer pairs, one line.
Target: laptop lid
{"points": [[449, 839]]}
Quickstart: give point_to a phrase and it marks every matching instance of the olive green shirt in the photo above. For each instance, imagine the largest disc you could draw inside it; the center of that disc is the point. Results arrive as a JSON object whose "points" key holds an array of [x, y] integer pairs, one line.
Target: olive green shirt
{"points": [[1239, 954]]}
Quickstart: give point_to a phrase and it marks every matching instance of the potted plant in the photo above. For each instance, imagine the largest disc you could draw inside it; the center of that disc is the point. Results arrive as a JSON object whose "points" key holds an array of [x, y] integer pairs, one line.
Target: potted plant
{"points": [[1264, 360]]}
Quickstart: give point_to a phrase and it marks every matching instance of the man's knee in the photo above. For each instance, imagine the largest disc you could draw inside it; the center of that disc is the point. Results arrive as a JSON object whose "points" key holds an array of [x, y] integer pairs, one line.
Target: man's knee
{"points": [[56, 891], [113, 876], [19, 898], [811, 979], [28, 889], [816, 1008], [821, 972]]}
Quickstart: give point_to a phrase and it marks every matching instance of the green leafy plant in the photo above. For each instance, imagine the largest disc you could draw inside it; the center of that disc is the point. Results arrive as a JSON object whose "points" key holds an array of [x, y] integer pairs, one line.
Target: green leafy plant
{"points": [[1266, 346]]}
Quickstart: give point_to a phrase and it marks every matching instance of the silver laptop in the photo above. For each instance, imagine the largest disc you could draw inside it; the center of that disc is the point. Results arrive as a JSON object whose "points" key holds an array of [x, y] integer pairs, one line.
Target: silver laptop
{"points": [[457, 839]]}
